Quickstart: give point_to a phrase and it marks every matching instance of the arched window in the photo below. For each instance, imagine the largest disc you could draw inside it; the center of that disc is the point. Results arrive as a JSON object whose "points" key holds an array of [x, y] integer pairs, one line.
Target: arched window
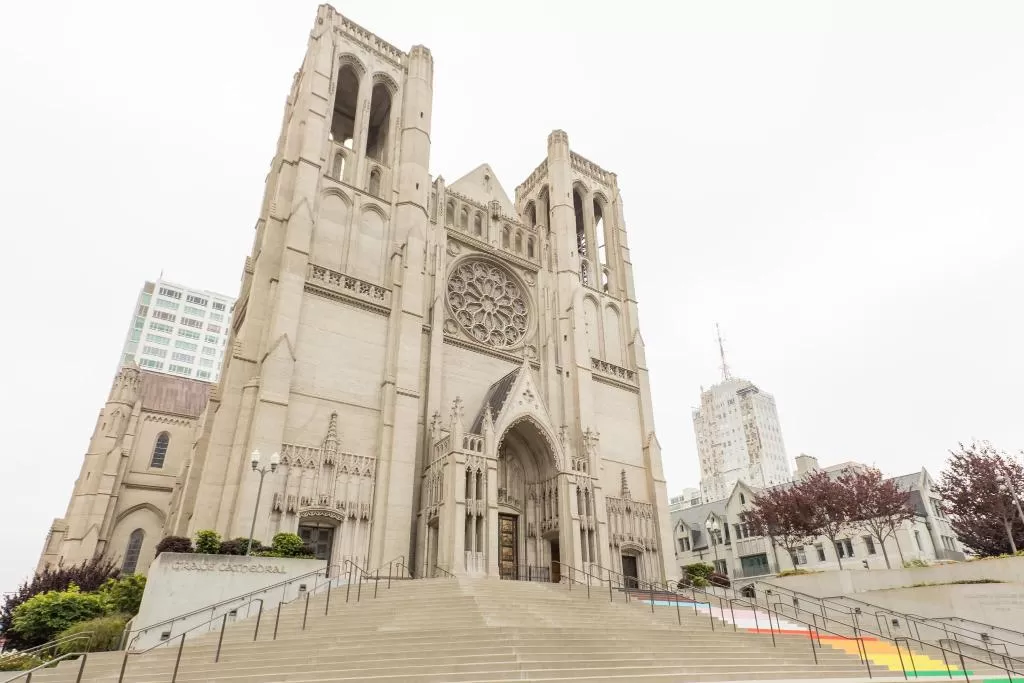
{"points": [[449, 213], [131, 553], [581, 232], [464, 218], [531, 214], [599, 235], [160, 450], [380, 123], [374, 188], [343, 119], [478, 224], [506, 236], [519, 243], [529, 248], [339, 166]]}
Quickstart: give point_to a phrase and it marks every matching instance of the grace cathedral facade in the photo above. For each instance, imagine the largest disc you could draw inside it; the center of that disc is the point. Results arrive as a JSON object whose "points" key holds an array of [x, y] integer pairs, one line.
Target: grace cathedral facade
{"points": [[449, 376]]}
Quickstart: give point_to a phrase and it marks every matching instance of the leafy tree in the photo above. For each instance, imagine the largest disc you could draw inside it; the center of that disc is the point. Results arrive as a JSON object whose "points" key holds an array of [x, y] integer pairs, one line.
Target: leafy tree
{"points": [[879, 504], [88, 575], [983, 514], [781, 514], [286, 545], [124, 595], [207, 542], [829, 506], [174, 544], [43, 616]]}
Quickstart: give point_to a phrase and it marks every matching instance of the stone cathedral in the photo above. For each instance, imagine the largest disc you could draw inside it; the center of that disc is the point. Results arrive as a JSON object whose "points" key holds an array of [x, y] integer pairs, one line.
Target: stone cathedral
{"points": [[449, 375]]}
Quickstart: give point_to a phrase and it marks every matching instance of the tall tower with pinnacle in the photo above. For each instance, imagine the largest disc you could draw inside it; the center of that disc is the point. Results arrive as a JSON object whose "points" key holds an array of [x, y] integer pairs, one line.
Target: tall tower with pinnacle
{"points": [[449, 374]]}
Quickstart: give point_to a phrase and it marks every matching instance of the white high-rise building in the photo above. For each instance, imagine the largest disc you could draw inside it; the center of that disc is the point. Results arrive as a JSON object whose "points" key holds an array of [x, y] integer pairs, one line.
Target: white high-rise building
{"points": [[179, 330], [738, 437]]}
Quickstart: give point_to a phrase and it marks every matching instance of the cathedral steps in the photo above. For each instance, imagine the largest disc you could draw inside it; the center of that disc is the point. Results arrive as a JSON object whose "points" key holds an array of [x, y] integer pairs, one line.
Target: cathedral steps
{"points": [[475, 630]]}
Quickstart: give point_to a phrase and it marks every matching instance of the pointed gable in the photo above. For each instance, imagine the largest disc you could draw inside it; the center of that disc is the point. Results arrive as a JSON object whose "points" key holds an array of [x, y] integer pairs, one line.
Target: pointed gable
{"points": [[495, 398], [481, 185]]}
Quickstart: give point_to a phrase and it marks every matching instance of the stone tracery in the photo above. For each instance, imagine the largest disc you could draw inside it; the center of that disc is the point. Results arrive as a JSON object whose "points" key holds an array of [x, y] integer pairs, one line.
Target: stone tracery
{"points": [[488, 303]]}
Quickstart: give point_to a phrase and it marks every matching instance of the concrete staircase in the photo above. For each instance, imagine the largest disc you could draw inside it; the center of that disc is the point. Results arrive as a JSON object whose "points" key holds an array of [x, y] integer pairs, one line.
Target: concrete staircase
{"points": [[482, 630]]}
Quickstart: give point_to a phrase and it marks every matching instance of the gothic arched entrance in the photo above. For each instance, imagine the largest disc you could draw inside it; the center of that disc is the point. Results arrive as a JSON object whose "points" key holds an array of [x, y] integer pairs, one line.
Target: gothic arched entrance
{"points": [[528, 505]]}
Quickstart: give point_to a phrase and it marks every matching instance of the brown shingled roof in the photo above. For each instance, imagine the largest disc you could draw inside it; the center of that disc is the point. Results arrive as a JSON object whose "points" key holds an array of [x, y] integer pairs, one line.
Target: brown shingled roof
{"points": [[173, 395]]}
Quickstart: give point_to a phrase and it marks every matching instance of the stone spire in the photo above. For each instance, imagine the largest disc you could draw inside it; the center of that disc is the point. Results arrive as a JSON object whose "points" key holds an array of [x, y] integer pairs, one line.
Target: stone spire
{"points": [[126, 385], [625, 487], [331, 440], [456, 428]]}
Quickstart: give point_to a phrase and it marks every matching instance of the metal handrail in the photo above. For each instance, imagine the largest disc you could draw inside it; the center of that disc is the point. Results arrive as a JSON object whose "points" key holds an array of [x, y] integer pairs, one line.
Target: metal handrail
{"points": [[444, 571], [911, 619], [215, 605], [27, 675], [84, 635]]}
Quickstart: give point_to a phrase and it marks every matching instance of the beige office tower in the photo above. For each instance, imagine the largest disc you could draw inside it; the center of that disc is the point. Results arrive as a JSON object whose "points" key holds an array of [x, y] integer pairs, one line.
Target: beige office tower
{"points": [[450, 376]]}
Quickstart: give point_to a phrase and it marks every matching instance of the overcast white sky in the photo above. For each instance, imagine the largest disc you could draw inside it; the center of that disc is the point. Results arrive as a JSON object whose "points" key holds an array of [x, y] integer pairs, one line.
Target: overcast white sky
{"points": [[839, 184]]}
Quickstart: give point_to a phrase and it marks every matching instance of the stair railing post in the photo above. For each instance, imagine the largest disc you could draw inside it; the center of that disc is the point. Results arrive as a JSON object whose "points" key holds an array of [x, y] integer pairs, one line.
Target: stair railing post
{"points": [[327, 607], [220, 640], [259, 617], [810, 636], [277, 620], [348, 584], [390, 567], [588, 585], [359, 588], [899, 651], [124, 664], [177, 660], [81, 667], [652, 598], [305, 612], [679, 615], [376, 582]]}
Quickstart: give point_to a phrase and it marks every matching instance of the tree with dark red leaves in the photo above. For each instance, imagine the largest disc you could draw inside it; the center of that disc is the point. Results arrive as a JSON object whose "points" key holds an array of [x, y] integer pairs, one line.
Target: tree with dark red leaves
{"points": [[977, 489], [878, 504], [829, 507], [781, 514]]}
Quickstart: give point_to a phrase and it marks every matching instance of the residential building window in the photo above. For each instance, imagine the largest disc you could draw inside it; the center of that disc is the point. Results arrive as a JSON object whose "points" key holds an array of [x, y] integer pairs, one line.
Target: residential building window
{"points": [[164, 315], [183, 357], [188, 334], [209, 351], [154, 351], [180, 369], [869, 543], [801, 557], [203, 374], [217, 317], [743, 500], [136, 335], [185, 346], [218, 306], [820, 547], [150, 363], [844, 548], [198, 312], [721, 567], [167, 303], [157, 339], [213, 328], [160, 450], [161, 327], [145, 298], [189, 322], [139, 323], [131, 552], [211, 339], [206, 362], [197, 300], [917, 539], [174, 294]]}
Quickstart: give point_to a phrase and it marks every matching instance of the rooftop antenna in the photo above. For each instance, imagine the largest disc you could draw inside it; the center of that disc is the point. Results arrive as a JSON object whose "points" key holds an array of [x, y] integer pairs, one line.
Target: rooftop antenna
{"points": [[726, 375]]}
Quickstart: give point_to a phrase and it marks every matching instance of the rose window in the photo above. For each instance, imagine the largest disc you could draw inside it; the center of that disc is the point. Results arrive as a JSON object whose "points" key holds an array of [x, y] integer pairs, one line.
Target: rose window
{"points": [[488, 303]]}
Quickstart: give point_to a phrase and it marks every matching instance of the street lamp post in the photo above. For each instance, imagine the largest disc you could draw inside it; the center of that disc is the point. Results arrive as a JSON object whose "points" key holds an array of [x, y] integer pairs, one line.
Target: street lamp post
{"points": [[713, 527], [274, 460]]}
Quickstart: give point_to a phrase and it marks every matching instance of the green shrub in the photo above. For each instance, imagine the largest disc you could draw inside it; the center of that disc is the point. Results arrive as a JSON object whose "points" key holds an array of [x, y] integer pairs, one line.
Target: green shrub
{"points": [[207, 542], [796, 572], [237, 546], [174, 544], [104, 634], [124, 595], [912, 564], [43, 616], [701, 569], [16, 661], [287, 545]]}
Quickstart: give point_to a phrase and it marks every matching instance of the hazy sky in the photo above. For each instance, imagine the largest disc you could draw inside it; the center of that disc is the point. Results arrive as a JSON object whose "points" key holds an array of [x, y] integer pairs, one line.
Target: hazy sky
{"points": [[839, 184]]}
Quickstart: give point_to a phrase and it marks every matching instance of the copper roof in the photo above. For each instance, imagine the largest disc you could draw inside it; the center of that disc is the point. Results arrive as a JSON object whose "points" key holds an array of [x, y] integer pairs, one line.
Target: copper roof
{"points": [[173, 395]]}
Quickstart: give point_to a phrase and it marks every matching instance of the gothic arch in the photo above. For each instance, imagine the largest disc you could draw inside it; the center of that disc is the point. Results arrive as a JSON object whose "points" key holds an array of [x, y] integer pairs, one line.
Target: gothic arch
{"points": [[141, 506], [349, 59], [381, 78], [336, 192], [542, 429], [614, 350]]}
